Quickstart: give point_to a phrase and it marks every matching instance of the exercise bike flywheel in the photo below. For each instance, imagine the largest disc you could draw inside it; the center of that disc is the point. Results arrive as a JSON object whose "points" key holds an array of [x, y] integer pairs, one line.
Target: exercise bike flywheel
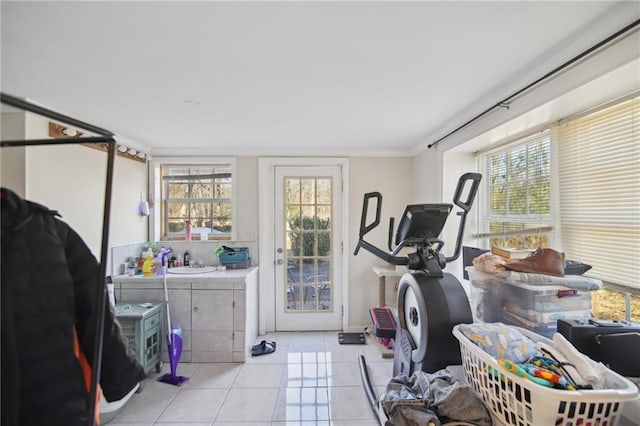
{"points": [[428, 308]]}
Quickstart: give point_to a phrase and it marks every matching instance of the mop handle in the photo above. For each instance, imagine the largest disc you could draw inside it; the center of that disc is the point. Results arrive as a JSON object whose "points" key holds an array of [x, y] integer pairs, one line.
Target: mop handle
{"points": [[166, 300]]}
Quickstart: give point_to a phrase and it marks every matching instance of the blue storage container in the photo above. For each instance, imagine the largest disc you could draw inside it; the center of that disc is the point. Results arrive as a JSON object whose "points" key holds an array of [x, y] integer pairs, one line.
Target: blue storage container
{"points": [[240, 255]]}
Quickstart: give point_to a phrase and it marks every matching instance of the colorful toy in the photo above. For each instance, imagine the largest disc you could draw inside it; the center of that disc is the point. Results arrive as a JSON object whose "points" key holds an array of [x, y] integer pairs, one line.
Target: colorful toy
{"points": [[517, 369]]}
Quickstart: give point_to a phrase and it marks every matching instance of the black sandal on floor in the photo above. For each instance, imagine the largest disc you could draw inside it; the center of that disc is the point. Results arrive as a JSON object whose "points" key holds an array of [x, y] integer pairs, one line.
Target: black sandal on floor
{"points": [[263, 348]]}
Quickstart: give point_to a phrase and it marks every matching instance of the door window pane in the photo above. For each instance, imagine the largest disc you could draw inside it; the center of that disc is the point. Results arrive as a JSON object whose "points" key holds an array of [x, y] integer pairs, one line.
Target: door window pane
{"points": [[293, 217], [292, 191], [323, 191], [308, 189], [308, 237]]}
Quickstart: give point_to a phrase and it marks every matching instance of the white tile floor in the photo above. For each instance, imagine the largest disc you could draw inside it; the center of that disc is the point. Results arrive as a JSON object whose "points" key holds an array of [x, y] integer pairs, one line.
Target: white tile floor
{"points": [[309, 380]]}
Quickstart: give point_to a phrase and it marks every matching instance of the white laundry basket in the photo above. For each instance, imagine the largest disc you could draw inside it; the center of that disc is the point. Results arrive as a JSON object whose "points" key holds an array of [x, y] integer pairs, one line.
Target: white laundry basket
{"points": [[517, 401]]}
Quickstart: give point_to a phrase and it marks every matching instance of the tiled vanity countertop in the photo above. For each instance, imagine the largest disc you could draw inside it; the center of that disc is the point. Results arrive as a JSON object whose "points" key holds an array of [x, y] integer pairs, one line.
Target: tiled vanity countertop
{"points": [[217, 311]]}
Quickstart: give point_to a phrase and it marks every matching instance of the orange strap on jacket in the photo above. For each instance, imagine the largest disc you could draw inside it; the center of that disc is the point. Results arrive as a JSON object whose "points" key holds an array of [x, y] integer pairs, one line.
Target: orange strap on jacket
{"points": [[86, 372]]}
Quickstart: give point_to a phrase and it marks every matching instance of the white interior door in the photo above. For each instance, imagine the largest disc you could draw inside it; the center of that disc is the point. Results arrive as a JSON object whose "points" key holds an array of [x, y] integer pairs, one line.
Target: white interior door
{"points": [[308, 248]]}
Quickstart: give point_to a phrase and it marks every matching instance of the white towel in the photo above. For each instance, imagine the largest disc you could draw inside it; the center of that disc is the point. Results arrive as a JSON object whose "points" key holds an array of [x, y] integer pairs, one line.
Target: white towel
{"points": [[569, 369], [592, 372]]}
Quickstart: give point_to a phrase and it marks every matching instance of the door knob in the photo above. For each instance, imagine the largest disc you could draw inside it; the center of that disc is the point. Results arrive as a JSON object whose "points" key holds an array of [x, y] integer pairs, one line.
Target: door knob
{"points": [[279, 251], [279, 262]]}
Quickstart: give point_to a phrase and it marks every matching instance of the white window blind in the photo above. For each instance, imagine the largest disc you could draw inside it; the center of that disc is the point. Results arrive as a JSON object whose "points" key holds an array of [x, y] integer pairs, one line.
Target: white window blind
{"points": [[517, 202], [599, 184]]}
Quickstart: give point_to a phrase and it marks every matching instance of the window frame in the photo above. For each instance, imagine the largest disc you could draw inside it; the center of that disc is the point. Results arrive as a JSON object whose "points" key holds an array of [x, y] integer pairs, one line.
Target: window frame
{"points": [[546, 223], [156, 191]]}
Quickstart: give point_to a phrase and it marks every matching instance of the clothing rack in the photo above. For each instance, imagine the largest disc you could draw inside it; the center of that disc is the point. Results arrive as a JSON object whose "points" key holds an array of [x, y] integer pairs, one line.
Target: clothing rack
{"points": [[102, 137]]}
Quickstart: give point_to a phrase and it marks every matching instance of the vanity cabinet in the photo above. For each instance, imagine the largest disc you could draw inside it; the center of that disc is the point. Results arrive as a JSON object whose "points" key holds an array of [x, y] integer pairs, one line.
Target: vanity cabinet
{"points": [[218, 312]]}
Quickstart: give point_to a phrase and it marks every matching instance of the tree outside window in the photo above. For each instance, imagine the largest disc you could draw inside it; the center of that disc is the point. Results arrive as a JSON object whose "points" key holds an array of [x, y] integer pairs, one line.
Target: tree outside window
{"points": [[201, 195], [519, 193]]}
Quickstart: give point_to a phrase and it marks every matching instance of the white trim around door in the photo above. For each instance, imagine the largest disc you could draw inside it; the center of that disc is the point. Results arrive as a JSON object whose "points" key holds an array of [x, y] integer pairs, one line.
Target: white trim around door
{"points": [[266, 205]]}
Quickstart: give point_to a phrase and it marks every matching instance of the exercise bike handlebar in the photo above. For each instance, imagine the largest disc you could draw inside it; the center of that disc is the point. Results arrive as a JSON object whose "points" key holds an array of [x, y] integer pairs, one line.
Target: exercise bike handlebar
{"points": [[388, 257], [364, 229], [475, 179], [392, 257], [465, 205]]}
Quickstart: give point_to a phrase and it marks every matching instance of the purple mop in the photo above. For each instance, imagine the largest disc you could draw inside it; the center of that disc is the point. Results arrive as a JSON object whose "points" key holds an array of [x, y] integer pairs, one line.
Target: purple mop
{"points": [[174, 338]]}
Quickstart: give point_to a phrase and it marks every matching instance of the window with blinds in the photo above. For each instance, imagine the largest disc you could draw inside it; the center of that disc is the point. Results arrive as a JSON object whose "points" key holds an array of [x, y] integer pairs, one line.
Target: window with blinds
{"points": [[599, 184], [517, 210]]}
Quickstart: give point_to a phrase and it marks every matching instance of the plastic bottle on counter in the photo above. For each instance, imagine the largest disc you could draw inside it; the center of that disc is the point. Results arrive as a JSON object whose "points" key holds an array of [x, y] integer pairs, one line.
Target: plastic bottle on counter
{"points": [[188, 231], [187, 258], [147, 267], [139, 265]]}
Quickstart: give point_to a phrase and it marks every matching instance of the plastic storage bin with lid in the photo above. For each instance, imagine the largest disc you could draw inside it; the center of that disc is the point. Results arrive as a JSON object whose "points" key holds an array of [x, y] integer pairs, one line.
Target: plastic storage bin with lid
{"points": [[534, 307]]}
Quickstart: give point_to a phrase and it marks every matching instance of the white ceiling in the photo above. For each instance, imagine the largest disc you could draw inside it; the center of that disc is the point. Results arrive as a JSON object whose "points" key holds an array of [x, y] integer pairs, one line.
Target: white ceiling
{"points": [[282, 78]]}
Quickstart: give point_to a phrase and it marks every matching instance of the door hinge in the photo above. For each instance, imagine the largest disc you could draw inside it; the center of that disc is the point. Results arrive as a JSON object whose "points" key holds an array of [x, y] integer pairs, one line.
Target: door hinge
{"points": [[233, 304], [342, 311], [342, 248]]}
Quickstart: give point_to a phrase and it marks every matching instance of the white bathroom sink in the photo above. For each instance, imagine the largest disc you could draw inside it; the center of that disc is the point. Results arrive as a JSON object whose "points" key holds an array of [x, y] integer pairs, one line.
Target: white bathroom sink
{"points": [[186, 270]]}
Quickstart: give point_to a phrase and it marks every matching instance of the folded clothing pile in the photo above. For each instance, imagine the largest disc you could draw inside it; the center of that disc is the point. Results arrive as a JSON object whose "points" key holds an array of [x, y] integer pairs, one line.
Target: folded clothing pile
{"points": [[559, 365]]}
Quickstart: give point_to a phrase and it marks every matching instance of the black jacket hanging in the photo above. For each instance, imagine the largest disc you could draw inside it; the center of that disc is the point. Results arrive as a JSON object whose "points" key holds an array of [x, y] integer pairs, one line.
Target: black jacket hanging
{"points": [[49, 283]]}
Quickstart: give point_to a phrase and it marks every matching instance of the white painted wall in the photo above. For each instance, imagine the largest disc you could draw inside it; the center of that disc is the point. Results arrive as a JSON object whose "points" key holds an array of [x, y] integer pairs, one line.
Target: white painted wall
{"points": [[71, 179], [394, 179], [12, 159], [427, 177], [246, 187]]}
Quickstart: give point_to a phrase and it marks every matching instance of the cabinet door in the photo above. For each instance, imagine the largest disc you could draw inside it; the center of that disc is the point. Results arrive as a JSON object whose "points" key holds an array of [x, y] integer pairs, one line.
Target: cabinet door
{"points": [[212, 310], [212, 325]]}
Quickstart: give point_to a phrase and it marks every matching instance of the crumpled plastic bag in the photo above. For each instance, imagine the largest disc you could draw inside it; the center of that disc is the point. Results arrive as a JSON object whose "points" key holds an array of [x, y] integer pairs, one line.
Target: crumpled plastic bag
{"points": [[488, 263]]}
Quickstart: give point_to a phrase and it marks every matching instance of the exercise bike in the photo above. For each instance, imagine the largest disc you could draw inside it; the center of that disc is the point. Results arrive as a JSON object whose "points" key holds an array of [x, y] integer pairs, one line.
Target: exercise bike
{"points": [[430, 301]]}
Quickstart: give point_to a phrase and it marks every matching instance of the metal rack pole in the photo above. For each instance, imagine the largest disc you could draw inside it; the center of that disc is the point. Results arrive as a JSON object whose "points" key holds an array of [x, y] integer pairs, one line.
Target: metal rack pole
{"points": [[108, 138]]}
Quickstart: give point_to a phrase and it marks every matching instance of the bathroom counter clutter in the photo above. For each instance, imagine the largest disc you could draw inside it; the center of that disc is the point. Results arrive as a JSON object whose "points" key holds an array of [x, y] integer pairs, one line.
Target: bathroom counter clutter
{"points": [[217, 310]]}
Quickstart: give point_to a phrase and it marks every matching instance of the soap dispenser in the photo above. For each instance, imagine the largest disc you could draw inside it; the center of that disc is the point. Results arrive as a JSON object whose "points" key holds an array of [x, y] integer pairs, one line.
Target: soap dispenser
{"points": [[187, 258]]}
